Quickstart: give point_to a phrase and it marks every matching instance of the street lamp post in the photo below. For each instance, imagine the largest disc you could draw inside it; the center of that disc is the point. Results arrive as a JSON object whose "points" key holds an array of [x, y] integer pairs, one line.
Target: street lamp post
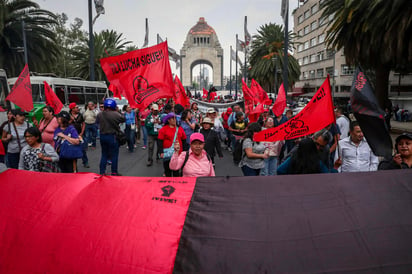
{"points": [[91, 42], [333, 79], [276, 75], [26, 58]]}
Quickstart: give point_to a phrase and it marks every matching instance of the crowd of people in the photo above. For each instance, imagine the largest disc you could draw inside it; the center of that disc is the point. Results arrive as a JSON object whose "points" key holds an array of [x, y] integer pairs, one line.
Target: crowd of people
{"points": [[187, 141]]}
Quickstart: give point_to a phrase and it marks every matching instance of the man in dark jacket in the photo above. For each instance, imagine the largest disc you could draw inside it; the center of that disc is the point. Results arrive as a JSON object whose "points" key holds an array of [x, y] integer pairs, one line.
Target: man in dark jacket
{"points": [[212, 142]]}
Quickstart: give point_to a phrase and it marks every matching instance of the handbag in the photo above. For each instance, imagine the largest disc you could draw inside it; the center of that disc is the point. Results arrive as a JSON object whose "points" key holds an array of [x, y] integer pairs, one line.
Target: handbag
{"points": [[168, 152], [70, 151], [46, 166], [121, 137]]}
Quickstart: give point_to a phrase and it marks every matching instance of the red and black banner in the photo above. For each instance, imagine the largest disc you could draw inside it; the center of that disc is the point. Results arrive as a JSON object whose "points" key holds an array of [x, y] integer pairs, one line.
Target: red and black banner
{"points": [[320, 223], [142, 76], [21, 93]]}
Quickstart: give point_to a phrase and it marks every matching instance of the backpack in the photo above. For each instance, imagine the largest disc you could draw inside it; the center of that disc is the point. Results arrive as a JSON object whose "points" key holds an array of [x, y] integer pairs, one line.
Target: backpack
{"points": [[238, 152], [185, 161]]}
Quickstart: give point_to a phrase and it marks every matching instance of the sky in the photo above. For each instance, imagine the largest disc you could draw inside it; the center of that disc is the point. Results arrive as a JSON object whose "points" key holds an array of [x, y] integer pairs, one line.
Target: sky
{"points": [[174, 19]]}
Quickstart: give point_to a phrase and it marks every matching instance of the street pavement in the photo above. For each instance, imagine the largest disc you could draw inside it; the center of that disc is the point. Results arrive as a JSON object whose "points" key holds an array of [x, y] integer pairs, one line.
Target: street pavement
{"points": [[134, 164]]}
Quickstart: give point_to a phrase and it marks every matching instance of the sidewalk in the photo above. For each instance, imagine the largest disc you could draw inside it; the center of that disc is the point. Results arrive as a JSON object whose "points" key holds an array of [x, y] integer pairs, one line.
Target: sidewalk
{"points": [[401, 127]]}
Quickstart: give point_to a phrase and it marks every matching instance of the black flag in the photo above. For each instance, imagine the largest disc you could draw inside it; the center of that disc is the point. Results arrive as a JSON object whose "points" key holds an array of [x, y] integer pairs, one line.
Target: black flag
{"points": [[370, 116]]}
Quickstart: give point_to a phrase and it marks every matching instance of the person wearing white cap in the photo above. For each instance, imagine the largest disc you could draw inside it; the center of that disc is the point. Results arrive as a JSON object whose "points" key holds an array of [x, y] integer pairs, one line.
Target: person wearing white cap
{"points": [[217, 124], [195, 162], [153, 124]]}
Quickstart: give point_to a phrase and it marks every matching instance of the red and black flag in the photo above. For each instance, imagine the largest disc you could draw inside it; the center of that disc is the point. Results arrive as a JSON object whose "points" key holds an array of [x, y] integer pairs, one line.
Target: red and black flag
{"points": [[370, 116], [314, 223]]}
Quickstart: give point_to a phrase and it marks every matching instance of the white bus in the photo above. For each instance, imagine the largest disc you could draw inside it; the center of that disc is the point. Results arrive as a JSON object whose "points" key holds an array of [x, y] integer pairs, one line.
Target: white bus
{"points": [[68, 90]]}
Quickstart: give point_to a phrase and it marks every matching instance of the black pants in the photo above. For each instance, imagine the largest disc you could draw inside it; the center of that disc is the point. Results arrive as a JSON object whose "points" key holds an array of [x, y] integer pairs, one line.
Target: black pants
{"points": [[168, 171]]}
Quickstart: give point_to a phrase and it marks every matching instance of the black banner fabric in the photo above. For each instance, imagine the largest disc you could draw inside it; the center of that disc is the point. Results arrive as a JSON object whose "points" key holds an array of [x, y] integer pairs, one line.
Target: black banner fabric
{"points": [[329, 223]]}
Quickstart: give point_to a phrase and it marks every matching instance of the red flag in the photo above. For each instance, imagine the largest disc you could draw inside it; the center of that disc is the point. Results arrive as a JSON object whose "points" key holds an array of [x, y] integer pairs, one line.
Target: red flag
{"points": [[205, 93], [115, 90], [2, 151], [2, 109], [280, 103], [180, 93], [259, 93], [212, 96], [21, 94], [52, 99], [143, 75], [317, 114], [247, 95]]}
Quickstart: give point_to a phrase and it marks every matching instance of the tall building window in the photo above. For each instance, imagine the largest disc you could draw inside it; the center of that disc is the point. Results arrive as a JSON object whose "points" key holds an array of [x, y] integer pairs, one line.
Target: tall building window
{"points": [[306, 14], [300, 61], [300, 47], [319, 73], [300, 19], [314, 9], [320, 56], [347, 70], [305, 75], [329, 70], [313, 42], [306, 45], [305, 60], [300, 32], [306, 30], [321, 38], [313, 58], [314, 25], [312, 74]]}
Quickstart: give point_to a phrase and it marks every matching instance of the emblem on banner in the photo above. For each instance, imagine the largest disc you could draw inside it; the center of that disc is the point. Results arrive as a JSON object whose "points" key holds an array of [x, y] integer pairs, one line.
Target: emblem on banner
{"points": [[142, 89], [167, 190], [296, 127]]}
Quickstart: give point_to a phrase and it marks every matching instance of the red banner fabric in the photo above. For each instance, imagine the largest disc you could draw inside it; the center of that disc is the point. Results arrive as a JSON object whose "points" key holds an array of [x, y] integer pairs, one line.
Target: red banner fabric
{"points": [[317, 114], [180, 94], [21, 94], [205, 93], [143, 75], [86, 223], [260, 94], [212, 96], [52, 99], [2, 151], [280, 103], [248, 97], [2, 109], [116, 91]]}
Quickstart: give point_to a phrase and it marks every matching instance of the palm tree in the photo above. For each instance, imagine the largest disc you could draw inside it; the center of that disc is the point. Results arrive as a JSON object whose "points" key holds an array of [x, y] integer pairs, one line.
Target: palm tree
{"points": [[42, 49], [374, 34], [106, 43], [267, 56]]}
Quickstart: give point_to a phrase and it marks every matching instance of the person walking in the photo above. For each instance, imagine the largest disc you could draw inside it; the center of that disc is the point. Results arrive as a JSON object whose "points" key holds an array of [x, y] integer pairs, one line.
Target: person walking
{"points": [[77, 120], [169, 134], [253, 153], [13, 134], [195, 162], [273, 150], [47, 125], [188, 123], [130, 127], [211, 139], [109, 120], [90, 117], [153, 125]]}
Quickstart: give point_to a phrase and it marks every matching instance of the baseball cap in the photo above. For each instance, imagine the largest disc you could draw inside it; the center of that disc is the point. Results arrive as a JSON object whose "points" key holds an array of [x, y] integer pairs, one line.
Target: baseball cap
{"points": [[211, 110], [403, 136], [155, 107], [229, 110], [18, 111], [72, 105], [197, 137]]}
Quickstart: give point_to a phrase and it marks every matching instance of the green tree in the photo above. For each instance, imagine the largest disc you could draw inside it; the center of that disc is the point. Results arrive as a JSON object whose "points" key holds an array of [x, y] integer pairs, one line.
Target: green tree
{"points": [[106, 43], [42, 49], [267, 54], [67, 39], [374, 34]]}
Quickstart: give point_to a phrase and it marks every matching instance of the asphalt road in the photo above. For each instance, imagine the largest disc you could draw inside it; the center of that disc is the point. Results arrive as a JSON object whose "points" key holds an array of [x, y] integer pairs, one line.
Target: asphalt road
{"points": [[134, 164]]}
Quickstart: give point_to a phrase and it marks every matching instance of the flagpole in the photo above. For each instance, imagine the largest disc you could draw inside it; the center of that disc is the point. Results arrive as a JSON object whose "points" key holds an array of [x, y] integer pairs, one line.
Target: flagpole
{"points": [[285, 62], [236, 88], [91, 43], [230, 77]]}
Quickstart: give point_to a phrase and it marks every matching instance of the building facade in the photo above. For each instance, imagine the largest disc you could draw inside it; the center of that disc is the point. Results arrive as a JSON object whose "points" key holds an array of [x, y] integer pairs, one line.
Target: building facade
{"points": [[316, 60]]}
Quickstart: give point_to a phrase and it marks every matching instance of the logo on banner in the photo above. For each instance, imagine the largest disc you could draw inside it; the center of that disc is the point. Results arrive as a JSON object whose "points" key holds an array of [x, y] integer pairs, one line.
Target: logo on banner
{"points": [[167, 190], [360, 81], [142, 89], [296, 128]]}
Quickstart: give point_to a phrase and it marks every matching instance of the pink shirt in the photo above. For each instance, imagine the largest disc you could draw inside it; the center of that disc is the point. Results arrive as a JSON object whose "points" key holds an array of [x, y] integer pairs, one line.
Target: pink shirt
{"points": [[48, 133], [195, 166]]}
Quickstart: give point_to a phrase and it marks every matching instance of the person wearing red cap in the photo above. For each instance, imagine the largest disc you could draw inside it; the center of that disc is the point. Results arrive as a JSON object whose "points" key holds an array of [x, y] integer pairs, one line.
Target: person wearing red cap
{"points": [[195, 162], [225, 118]]}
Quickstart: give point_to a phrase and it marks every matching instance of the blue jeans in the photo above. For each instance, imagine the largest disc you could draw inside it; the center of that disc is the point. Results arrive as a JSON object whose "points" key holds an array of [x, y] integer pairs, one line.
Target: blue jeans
{"points": [[144, 129], [247, 171], [91, 134], [110, 151], [131, 137], [270, 166]]}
